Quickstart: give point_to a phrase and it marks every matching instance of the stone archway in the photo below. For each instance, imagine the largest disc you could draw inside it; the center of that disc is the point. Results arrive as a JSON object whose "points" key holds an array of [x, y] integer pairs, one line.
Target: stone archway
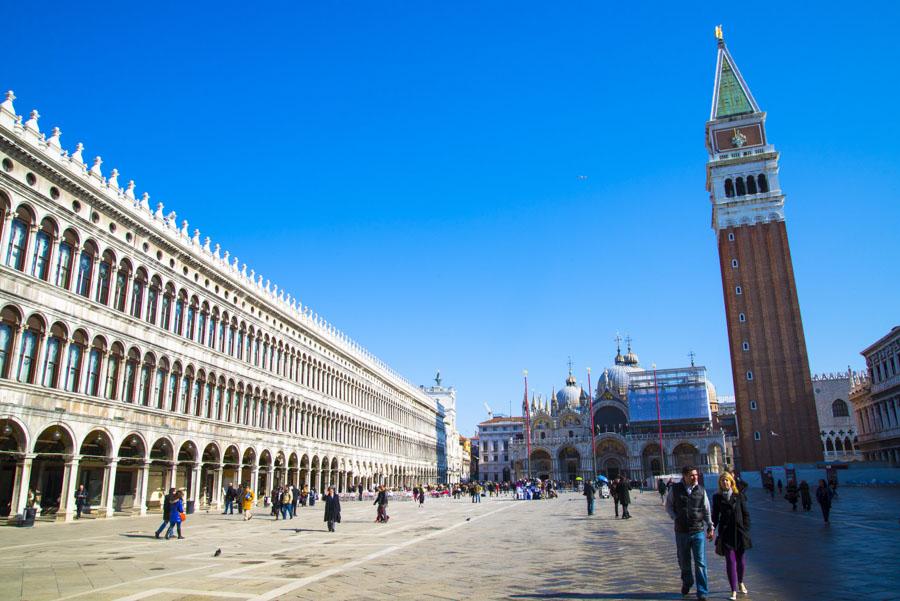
{"points": [[612, 456], [541, 464], [686, 454], [569, 464], [13, 466], [651, 461]]}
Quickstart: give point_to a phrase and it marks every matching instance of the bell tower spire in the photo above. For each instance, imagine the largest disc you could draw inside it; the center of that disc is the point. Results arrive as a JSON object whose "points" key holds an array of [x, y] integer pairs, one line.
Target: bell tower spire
{"points": [[773, 391]]}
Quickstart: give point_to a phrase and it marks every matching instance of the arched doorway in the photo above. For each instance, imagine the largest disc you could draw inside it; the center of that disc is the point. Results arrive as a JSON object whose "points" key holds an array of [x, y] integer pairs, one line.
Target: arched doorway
{"points": [[53, 447], [130, 470], [162, 473], [209, 473], [96, 452], [314, 474], [612, 456], [248, 463], [232, 463], [685, 454], [651, 461], [304, 471], [292, 469], [569, 464], [12, 464], [264, 479], [187, 462], [541, 464]]}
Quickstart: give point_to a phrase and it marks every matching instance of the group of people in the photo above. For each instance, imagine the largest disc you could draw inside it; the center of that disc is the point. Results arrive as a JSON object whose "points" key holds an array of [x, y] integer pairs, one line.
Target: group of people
{"points": [[825, 494], [619, 490]]}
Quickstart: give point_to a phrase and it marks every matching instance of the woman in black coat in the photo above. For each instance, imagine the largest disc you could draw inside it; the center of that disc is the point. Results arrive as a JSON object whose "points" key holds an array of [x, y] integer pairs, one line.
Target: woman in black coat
{"points": [[731, 518], [381, 500], [332, 508]]}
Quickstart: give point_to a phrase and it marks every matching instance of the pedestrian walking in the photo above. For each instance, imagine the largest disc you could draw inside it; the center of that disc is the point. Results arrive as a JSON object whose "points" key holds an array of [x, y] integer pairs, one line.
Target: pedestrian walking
{"points": [[276, 501], [661, 488], [731, 519], [805, 497], [792, 495], [614, 493], [421, 497], [780, 488], [287, 503], [381, 501], [304, 496], [295, 494], [359, 492], [81, 501], [230, 496], [688, 506], [589, 493], [166, 509], [247, 502], [313, 495], [824, 497], [176, 515], [624, 497], [332, 508]]}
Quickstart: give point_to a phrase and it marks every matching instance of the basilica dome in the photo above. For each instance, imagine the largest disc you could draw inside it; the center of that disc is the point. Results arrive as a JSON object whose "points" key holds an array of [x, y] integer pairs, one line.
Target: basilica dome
{"points": [[570, 395]]}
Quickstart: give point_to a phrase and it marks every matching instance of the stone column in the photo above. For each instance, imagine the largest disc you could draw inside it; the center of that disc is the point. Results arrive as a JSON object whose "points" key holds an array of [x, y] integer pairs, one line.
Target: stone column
{"points": [[4, 239], [254, 482], [142, 488], [128, 292], [29, 255], [70, 483], [109, 486], [217, 487], [22, 484], [95, 277], [173, 475], [194, 493]]}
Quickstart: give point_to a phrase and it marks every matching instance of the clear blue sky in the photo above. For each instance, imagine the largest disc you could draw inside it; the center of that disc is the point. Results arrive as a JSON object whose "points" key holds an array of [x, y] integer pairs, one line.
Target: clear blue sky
{"points": [[411, 172]]}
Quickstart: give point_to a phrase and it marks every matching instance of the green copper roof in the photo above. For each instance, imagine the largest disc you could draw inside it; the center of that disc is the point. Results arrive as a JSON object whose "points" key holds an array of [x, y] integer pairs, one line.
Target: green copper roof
{"points": [[732, 98]]}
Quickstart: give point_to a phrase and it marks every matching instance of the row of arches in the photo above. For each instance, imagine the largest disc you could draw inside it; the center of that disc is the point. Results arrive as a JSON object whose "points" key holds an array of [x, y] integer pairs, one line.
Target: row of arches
{"points": [[741, 186], [60, 254], [130, 471], [53, 354]]}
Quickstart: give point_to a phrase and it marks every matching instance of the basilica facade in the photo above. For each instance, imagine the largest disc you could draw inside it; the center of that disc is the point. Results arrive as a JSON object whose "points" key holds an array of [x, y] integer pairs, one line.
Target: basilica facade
{"points": [[621, 426], [136, 356]]}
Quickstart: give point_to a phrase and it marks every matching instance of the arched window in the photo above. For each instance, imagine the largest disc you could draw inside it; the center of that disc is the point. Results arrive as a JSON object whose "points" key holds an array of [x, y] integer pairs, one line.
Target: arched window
{"points": [[9, 324], [191, 318], [85, 269], [839, 408], [741, 190], [117, 352], [240, 343], [28, 349], [153, 299], [762, 182], [729, 188], [53, 355], [231, 335], [179, 311], [213, 326], [122, 286], [167, 301], [132, 366], [104, 275], [64, 258], [829, 445], [838, 445], [95, 363], [146, 382], [186, 387], [202, 320], [751, 184], [137, 292], [74, 361], [43, 242], [159, 384], [174, 379], [18, 239]]}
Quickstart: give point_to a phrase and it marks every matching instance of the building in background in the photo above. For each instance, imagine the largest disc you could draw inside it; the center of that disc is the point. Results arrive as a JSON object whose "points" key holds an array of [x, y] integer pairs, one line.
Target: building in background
{"points": [[465, 446], [449, 453], [775, 405], [494, 438], [630, 437], [876, 400], [136, 356], [838, 429]]}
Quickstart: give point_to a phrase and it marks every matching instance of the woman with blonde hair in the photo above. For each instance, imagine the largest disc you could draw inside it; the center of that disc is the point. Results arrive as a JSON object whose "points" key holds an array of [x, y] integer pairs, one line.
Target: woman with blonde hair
{"points": [[731, 518]]}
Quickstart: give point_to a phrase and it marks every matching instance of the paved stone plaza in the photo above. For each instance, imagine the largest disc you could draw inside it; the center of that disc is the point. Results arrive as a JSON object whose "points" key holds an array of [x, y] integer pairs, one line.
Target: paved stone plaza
{"points": [[500, 549]]}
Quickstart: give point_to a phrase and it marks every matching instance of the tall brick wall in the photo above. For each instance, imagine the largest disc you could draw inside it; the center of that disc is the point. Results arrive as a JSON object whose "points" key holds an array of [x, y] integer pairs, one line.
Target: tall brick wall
{"points": [[781, 384]]}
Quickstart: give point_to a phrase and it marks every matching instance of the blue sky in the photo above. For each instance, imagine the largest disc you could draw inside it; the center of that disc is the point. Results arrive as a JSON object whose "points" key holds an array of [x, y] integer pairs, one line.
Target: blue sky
{"points": [[411, 172]]}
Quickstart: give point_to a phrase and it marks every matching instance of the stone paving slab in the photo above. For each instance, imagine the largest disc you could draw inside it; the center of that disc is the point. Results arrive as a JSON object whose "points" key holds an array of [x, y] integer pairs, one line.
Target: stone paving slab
{"points": [[498, 549]]}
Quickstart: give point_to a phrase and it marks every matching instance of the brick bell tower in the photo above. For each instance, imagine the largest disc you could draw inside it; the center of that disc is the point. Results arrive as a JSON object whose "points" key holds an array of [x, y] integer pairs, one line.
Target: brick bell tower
{"points": [[776, 409]]}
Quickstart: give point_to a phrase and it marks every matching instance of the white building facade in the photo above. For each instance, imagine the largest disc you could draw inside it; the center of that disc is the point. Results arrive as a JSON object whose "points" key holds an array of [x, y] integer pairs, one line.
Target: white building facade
{"points": [[135, 357], [837, 421]]}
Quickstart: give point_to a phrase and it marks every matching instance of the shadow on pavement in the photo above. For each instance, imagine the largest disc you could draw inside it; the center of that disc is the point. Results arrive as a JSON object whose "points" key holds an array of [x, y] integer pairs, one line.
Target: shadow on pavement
{"points": [[564, 595]]}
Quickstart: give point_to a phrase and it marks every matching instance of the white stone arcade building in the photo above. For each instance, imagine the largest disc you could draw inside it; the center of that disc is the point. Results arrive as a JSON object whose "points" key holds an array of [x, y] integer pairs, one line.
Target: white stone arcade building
{"points": [[135, 357]]}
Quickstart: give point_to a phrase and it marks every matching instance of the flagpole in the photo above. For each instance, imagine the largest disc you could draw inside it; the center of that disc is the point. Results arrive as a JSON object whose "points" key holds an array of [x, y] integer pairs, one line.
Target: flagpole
{"points": [[527, 430], [593, 454], [662, 458]]}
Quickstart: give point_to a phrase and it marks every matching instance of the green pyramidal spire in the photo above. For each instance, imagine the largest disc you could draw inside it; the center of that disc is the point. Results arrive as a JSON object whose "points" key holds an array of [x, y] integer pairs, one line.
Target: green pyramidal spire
{"points": [[732, 99]]}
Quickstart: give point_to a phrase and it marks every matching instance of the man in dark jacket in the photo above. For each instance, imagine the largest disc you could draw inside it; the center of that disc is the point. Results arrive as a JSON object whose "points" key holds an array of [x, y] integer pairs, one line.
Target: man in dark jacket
{"points": [[614, 493], [382, 501], [332, 508], [589, 493], [230, 496], [81, 500], [624, 497], [688, 506], [166, 510]]}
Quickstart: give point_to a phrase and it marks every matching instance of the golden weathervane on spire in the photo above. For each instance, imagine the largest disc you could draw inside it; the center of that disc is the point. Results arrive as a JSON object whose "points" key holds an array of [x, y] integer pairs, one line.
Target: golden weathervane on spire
{"points": [[719, 32]]}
